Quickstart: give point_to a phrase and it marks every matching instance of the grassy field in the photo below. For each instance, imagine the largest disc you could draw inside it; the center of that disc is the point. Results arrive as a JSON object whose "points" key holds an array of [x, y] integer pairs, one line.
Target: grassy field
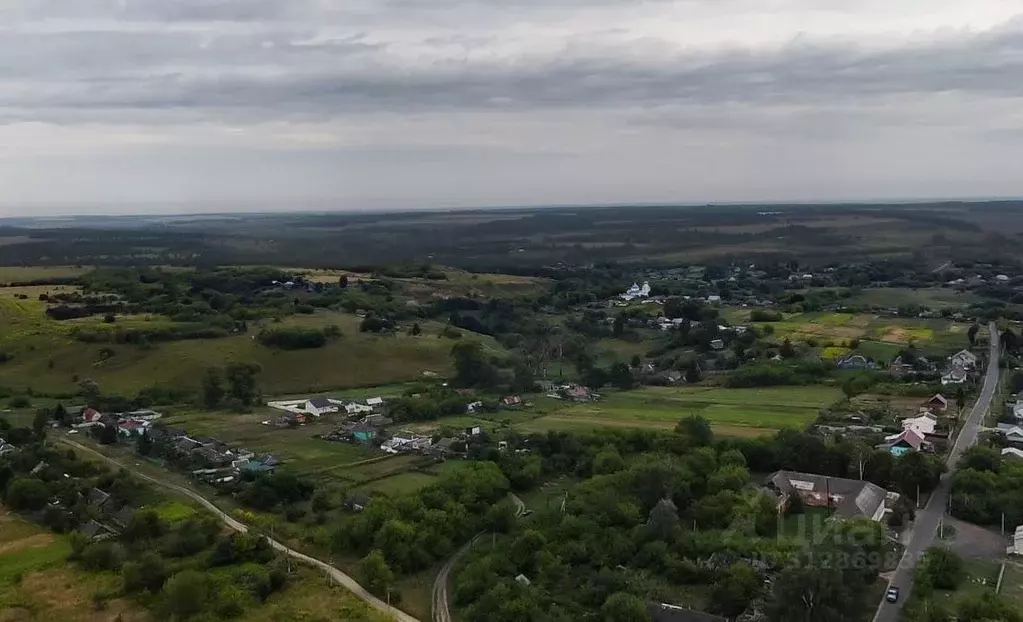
{"points": [[296, 447], [732, 412], [16, 274], [37, 584], [47, 359], [880, 336], [399, 484], [894, 297]]}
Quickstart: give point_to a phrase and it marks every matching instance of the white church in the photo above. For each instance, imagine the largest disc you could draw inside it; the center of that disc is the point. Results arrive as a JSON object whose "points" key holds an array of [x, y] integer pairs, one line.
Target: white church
{"points": [[636, 291]]}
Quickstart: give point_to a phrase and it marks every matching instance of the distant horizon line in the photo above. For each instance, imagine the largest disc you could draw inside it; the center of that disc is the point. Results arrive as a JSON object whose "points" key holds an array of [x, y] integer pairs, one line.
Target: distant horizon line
{"points": [[469, 208]]}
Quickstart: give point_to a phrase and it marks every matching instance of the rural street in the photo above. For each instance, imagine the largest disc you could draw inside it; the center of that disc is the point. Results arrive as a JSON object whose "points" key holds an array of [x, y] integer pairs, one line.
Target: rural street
{"points": [[338, 577], [927, 519], [441, 611]]}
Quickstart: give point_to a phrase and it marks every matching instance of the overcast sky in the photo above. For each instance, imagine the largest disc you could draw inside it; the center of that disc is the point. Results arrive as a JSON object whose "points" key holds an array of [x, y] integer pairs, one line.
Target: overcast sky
{"points": [[215, 105]]}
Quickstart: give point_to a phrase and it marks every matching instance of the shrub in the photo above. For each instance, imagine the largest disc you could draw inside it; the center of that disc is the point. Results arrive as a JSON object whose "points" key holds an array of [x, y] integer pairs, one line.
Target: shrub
{"points": [[20, 401], [293, 338], [102, 556]]}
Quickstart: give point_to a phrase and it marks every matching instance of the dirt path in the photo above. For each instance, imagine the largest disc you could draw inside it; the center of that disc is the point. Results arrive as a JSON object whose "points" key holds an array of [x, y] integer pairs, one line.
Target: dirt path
{"points": [[441, 608], [348, 582]]}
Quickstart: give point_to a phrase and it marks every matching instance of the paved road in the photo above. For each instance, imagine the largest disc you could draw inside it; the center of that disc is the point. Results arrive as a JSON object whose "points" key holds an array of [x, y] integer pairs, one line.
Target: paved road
{"points": [[339, 577], [928, 518], [441, 609]]}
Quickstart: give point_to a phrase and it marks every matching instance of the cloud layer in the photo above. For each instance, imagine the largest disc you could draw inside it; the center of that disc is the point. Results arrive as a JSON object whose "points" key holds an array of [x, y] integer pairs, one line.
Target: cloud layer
{"points": [[211, 104]]}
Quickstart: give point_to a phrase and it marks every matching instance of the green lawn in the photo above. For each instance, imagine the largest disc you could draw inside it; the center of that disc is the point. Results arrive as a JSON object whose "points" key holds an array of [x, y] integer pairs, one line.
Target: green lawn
{"points": [[878, 350], [400, 484], [27, 548], [381, 465], [738, 412], [174, 511]]}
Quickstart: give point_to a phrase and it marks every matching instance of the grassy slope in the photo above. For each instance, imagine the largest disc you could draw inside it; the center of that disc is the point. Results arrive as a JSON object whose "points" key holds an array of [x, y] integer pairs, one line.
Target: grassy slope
{"points": [[47, 359], [36, 583]]}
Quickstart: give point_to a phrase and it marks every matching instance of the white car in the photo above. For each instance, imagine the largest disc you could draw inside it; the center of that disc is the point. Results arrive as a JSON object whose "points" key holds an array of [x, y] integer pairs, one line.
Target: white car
{"points": [[892, 595]]}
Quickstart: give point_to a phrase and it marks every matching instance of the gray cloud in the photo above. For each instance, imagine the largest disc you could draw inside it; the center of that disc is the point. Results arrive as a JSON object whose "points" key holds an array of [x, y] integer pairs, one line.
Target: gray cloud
{"points": [[412, 81], [287, 72]]}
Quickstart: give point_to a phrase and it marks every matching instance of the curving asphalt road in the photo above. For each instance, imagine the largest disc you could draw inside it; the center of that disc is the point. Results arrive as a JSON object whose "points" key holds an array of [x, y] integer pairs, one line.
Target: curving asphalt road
{"points": [[441, 608], [927, 519], [348, 582]]}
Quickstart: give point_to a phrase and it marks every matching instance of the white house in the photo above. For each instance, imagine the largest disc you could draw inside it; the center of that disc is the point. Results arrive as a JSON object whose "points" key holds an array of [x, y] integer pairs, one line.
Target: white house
{"points": [[1012, 433], [1017, 543], [375, 401], [964, 358], [636, 291], [406, 441], [1012, 452], [1017, 410], [319, 406], [923, 424], [355, 408]]}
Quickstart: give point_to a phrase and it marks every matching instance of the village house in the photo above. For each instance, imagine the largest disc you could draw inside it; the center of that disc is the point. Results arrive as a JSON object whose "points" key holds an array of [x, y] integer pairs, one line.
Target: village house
{"points": [[938, 402], [923, 424], [406, 442], [635, 292], [442, 448], [123, 516], [957, 375], [1012, 452], [512, 400], [377, 420], [95, 531], [906, 441], [6, 448], [899, 368], [850, 498], [965, 359], [319, 406], [356, 502], [856, 361], [355, 408], [1012, 433], [97, 499], [375, 402], [132, 427], [315, 406]]}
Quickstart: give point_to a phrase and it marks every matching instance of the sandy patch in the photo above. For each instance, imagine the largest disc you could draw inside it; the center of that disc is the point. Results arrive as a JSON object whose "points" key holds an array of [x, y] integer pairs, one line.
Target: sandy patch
{"points": [[58, 595], [32, 542]]}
